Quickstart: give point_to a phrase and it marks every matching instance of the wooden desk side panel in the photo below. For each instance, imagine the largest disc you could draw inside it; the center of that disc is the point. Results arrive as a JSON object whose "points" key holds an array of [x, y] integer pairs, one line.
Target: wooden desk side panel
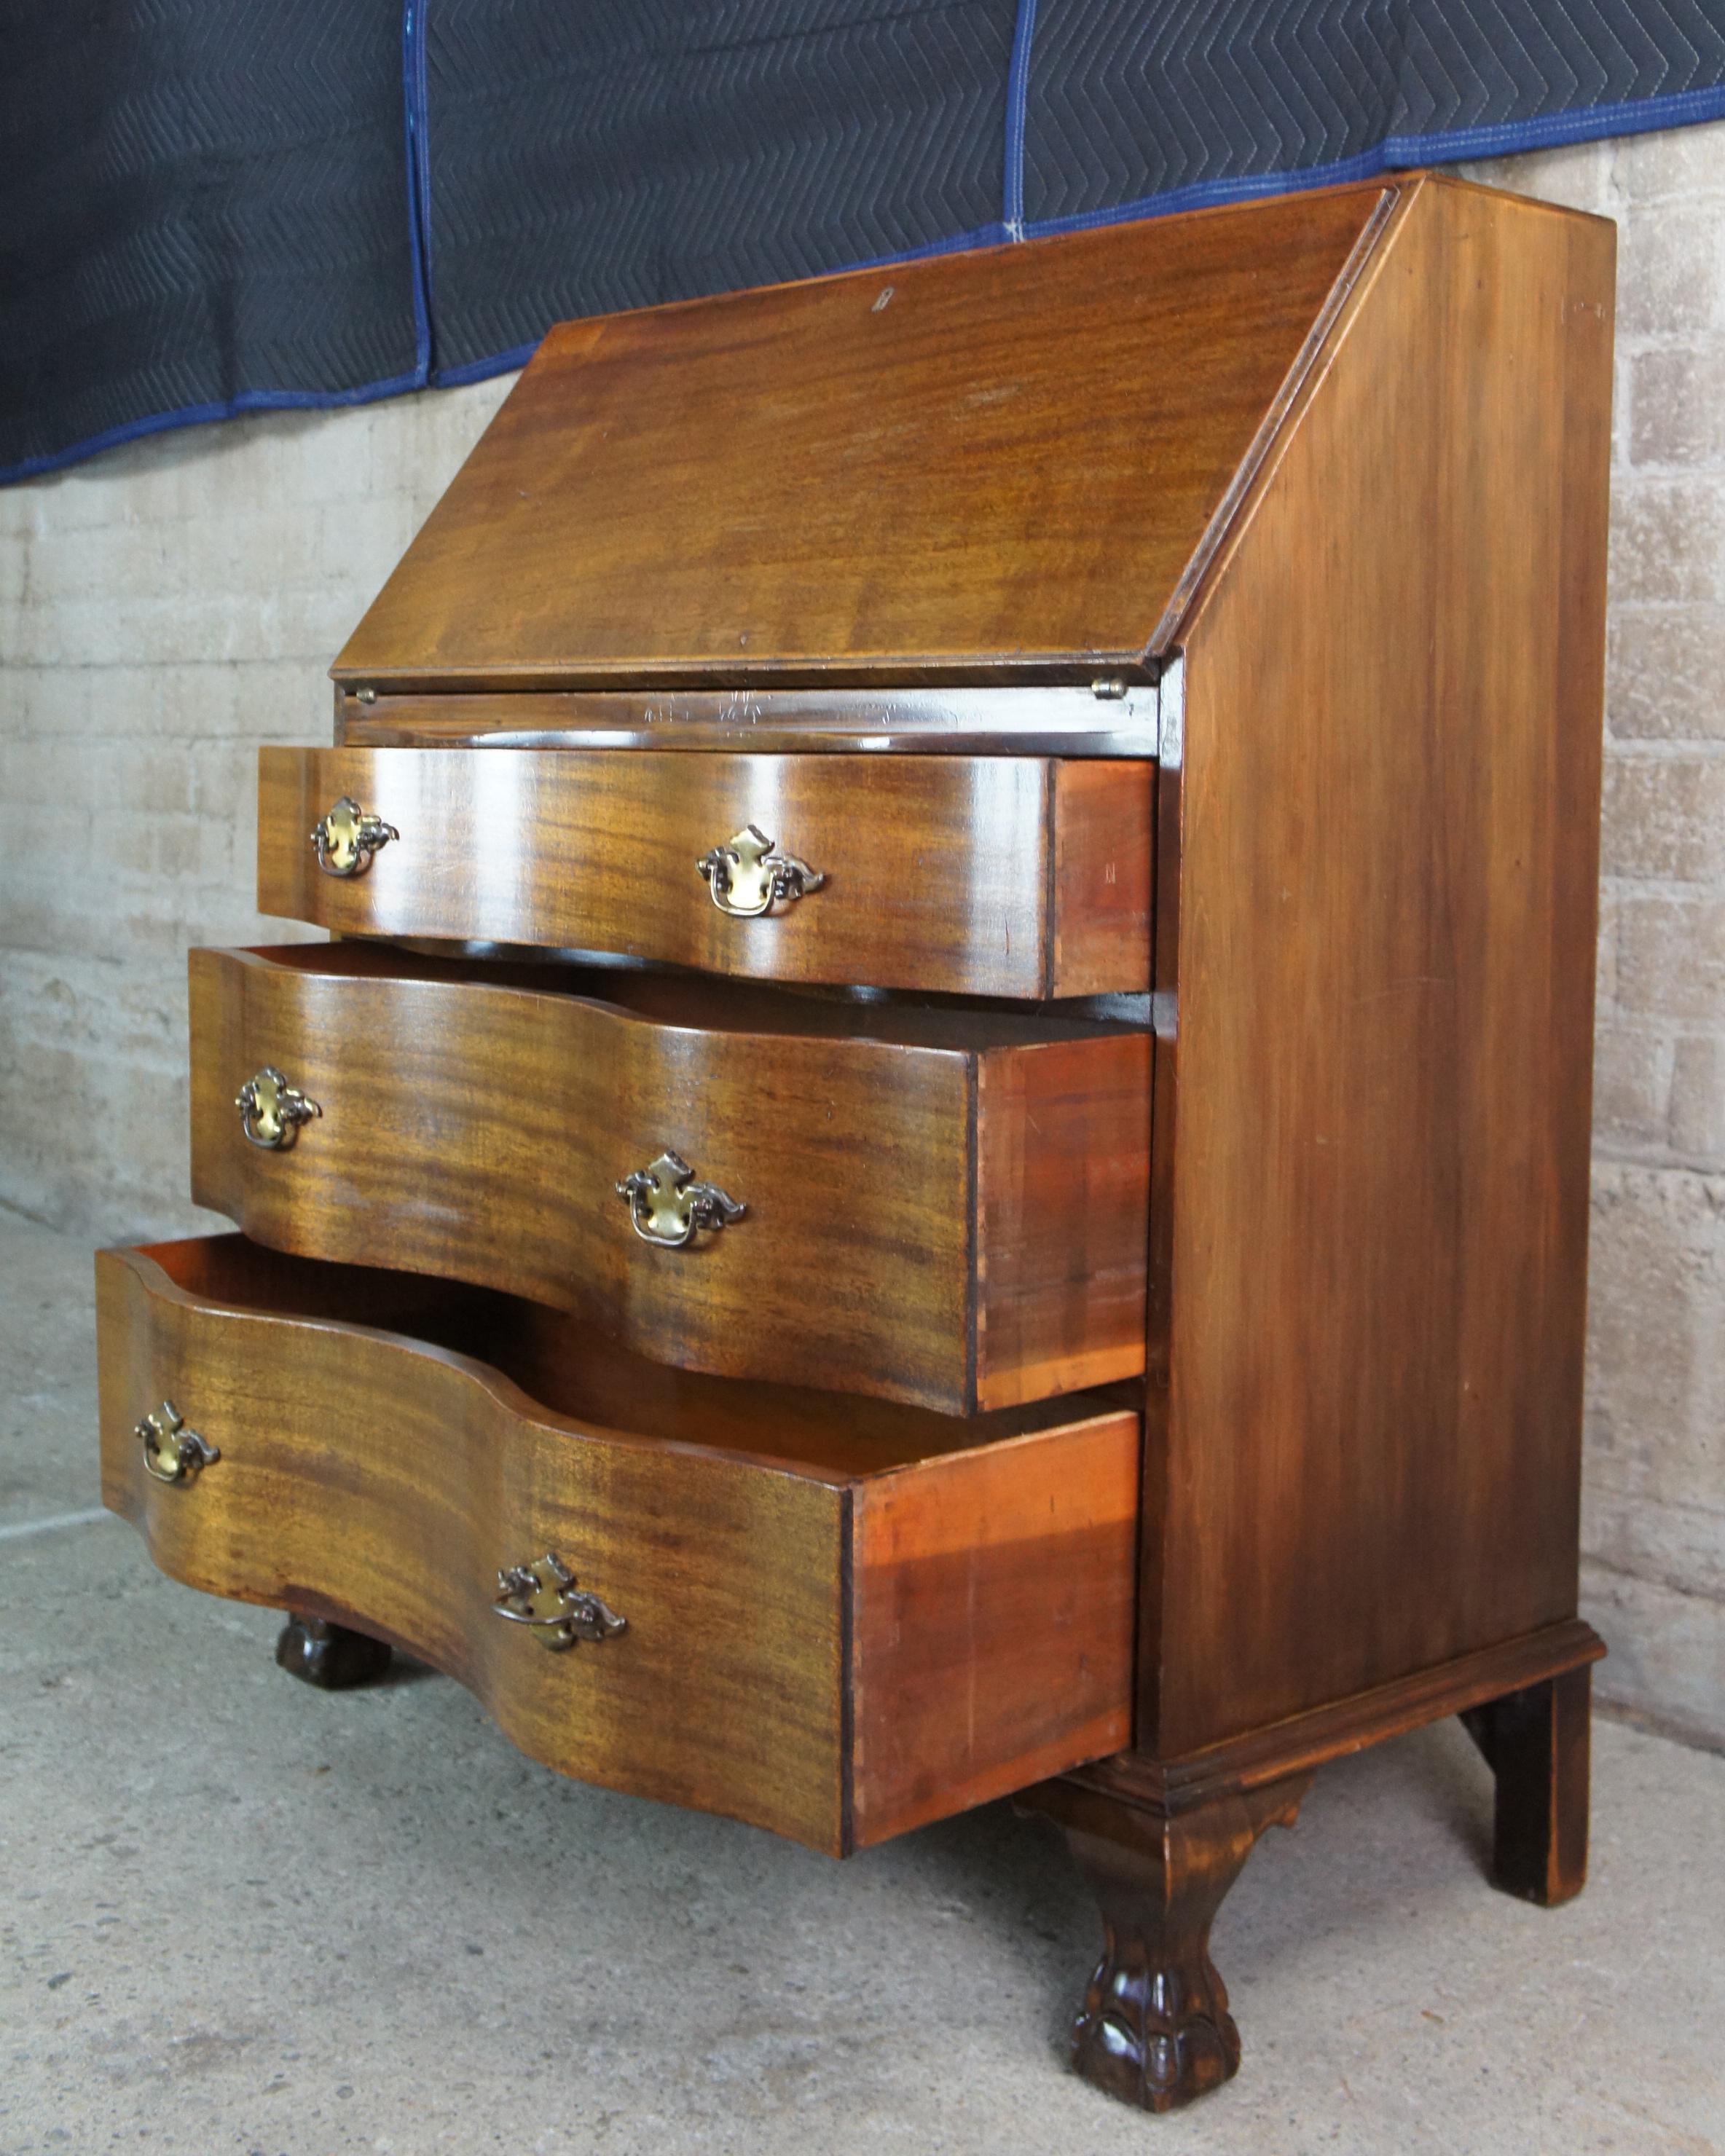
{"points": [[1063, 1182], [1388, 826]]}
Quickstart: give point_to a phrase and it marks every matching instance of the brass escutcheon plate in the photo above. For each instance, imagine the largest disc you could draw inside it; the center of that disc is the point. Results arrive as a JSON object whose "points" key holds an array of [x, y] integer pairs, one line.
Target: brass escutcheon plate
{"points": [[271, 1109], [745, 875], [543, 1596], [666, 1205], [172, 1452], [347, 838]]}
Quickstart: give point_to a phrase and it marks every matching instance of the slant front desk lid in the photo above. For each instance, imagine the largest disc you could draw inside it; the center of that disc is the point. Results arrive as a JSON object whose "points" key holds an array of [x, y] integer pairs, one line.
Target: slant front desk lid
{"points": [[1005, 465]]}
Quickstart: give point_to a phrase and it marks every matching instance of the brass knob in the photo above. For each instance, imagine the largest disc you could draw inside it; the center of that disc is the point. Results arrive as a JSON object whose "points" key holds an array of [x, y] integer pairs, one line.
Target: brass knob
{"points": [[748, 873], [666, 1205], [172, 1452], [348, 837], [271, 1111], [545, 1596]]}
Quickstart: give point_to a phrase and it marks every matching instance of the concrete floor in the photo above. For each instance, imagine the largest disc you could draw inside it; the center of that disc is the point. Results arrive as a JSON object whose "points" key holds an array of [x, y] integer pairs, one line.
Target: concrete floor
{"points": [[241, 1916]]}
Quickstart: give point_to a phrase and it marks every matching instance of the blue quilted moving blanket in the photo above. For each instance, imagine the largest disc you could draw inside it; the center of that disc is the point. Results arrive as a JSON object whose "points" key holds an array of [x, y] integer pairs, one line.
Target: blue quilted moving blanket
{"points": [[208, 206]]}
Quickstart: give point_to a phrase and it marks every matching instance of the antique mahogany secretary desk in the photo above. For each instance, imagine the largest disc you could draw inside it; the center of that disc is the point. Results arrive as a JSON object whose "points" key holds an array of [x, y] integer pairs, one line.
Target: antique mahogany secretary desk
{"points": [[943, 1151]]}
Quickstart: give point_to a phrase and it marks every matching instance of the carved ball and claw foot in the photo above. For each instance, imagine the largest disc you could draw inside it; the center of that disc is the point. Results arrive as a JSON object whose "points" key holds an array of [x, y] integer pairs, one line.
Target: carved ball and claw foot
{"points": [[1154, 2029], [330, 1656]]}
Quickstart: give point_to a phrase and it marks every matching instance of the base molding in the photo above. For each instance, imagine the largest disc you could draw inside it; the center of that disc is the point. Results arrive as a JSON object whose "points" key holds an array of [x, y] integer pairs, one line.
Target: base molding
{"points": [[1259, 1757]]}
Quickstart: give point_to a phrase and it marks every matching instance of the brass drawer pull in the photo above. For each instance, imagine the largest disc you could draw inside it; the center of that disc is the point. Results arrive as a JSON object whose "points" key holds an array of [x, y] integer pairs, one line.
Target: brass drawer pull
{"points": [[746, 874], [172, 1452], [666, 1205], [271, 1111], [545, 1596], [348, 837]]}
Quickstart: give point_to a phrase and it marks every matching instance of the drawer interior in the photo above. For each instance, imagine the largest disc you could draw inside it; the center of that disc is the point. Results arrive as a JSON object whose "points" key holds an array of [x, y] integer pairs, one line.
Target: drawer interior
{"points": [[585, 1379], [673, 996]]}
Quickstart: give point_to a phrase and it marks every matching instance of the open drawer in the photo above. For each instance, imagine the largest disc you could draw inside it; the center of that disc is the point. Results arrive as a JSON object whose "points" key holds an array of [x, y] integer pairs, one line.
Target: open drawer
{"points": [[994, 876], [840, 1619], [945, 1206]]}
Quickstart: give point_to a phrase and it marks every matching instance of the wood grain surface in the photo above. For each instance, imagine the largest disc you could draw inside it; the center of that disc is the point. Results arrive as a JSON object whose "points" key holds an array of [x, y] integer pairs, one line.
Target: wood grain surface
{"points": [[1376, 954], [987, 876], [381, 1480], [1539, 1744], [984, 466], [1312, 1739], [1018, 1559], [900, 1239]]}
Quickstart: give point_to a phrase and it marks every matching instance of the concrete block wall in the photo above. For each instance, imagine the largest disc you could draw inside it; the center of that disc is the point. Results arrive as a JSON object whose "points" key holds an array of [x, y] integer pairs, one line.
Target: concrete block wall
{"points": [[164, 609], [170, 605]]}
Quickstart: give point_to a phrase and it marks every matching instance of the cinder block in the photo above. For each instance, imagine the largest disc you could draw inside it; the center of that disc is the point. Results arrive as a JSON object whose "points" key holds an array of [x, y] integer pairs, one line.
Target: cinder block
{"points": [[276, 701], [1632, 1086], [49, 699], [395, 434], [1633, 1529], [1697, 1120], [1667, 1647], [1665, 817], [1677, 404], [1656, 1348], [1674, 164], [1606, 973], [293, 459], [1664, 673], [17, 512], [14, 552], [189, 698], [1670, 962], [1670, 267], [312, 625], [246, 551], [58, 830], [147, 776], [450, 422], [86, 496], [223, 781], [356, 544], [163, 848], [1578, 174], [1667, 540], [166, 475]]}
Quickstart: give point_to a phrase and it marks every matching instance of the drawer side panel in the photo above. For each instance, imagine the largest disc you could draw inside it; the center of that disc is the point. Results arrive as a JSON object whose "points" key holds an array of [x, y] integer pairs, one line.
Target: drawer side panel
{"points": [[1102, 877], [1062, 1195], [995, 1598]]}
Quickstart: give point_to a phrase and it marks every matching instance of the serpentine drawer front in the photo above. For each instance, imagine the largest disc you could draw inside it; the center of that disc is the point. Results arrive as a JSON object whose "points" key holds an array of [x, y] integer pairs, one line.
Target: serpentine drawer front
{"points": [[989, 875], [831, 1618], [944, 1206]]}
